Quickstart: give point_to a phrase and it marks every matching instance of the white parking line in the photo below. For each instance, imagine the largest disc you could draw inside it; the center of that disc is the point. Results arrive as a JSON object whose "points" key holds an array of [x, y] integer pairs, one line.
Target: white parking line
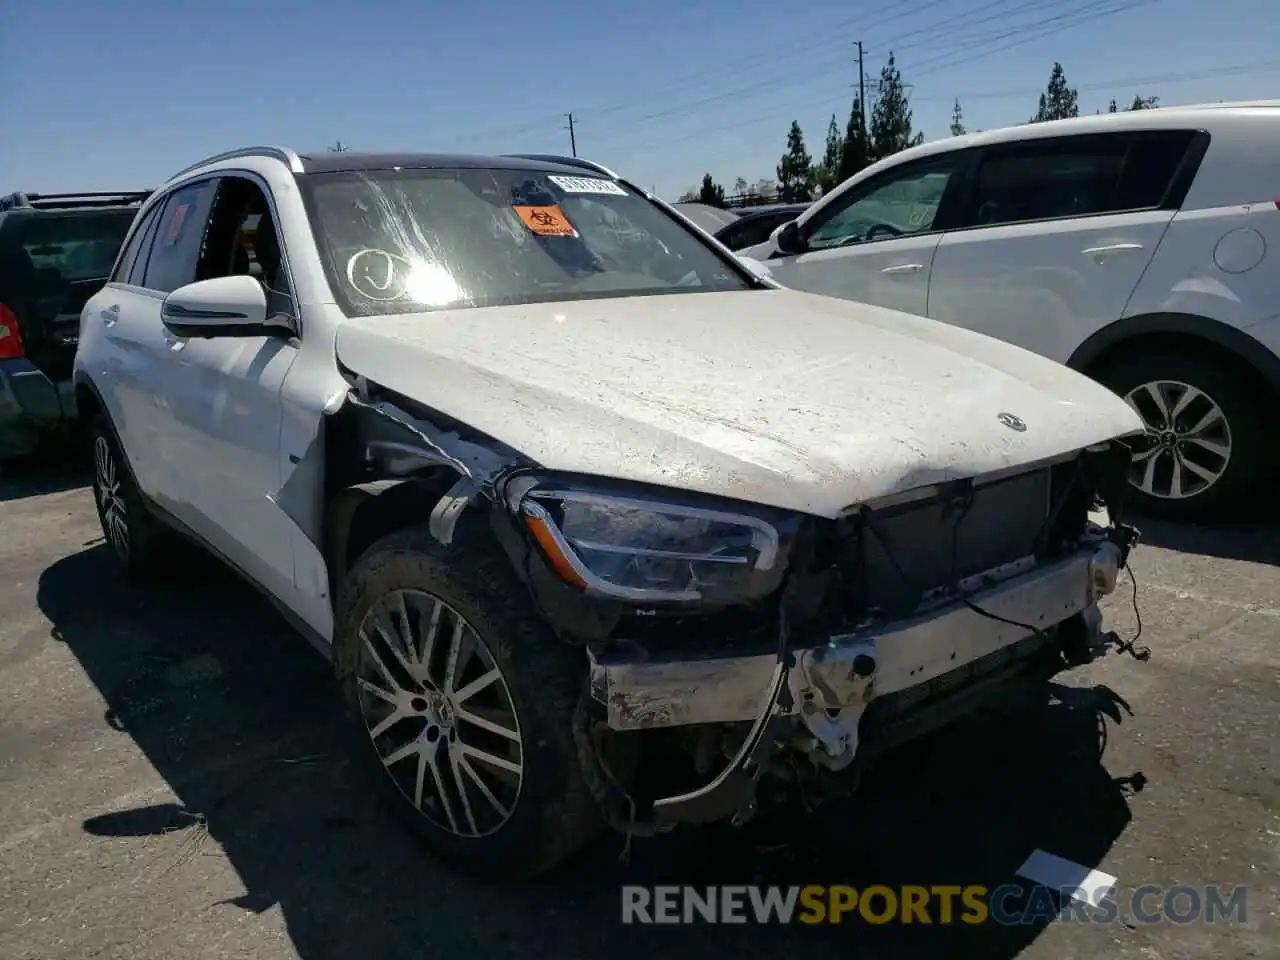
{"points": [[1073, 879]]}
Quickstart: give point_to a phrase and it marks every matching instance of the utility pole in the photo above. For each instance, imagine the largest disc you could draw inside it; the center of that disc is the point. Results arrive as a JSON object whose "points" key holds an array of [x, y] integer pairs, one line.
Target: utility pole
{"points": [[573, 141], [862, 94]]}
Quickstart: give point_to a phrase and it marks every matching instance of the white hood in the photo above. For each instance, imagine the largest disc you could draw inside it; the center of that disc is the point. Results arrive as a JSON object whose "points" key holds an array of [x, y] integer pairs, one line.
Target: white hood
{"points": [[774, 397]]}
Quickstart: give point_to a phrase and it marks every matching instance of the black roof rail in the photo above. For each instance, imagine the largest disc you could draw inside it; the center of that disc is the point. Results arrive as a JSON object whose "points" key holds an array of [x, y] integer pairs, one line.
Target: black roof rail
{"points": [[567, 161], [45, 201]]}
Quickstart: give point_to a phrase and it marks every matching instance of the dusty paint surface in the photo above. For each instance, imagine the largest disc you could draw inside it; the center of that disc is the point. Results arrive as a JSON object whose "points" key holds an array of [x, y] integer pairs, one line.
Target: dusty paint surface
{"points": [[774, 397]]}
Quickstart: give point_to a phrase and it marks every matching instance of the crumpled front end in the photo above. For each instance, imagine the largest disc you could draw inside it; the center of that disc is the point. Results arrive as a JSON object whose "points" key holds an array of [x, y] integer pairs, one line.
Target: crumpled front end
{"points": [[894, 620]]}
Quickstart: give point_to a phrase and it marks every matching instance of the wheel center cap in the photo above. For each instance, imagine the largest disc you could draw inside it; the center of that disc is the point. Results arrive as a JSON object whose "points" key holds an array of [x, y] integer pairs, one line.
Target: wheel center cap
{"points": [[1168, 439]]}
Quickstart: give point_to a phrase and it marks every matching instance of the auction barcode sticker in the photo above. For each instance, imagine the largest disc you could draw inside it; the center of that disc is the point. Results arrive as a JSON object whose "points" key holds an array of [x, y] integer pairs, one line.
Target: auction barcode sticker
{"points": [[587, 185]]}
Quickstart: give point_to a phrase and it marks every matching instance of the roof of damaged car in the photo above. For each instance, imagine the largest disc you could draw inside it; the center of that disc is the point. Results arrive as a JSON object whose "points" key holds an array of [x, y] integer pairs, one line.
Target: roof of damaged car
{"points": [[347, 161]]}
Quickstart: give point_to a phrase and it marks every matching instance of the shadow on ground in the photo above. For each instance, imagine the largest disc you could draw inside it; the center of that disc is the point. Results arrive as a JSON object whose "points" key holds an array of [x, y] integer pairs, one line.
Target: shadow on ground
{"points": [[1254, 542], [236, 713], [28, 479]]}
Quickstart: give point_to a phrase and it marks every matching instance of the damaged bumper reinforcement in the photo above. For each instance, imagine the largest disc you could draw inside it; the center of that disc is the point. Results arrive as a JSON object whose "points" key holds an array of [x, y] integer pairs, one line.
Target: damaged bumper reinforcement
{"points": [[826, 688]]}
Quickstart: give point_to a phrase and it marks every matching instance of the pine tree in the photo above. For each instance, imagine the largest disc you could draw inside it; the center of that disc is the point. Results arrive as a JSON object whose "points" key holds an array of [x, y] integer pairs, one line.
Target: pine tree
{"points": [[829, 171], [957, 121], [891, 116], [1058, 102], [854, 155], [711, 193], [1111, 107], [795, 169], [1144, 103]]}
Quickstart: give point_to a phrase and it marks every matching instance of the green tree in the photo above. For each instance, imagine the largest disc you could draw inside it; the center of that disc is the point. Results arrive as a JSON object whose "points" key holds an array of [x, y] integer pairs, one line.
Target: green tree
{"points": [[710, 192], [828, 172], [1111, 107], [740, 187], [891, 115], [1059, 101], [957, 121], [1144, 103], [854, 152], [795, 169]]}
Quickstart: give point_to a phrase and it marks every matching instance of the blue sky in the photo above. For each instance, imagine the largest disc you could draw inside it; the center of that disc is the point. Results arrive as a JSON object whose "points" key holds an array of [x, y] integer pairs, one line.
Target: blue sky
{"points": [[122, 93]]}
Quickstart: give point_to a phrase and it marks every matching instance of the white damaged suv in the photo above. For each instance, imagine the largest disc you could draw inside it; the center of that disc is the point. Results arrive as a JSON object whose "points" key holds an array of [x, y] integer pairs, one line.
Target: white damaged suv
{"points": [[556, 481]]}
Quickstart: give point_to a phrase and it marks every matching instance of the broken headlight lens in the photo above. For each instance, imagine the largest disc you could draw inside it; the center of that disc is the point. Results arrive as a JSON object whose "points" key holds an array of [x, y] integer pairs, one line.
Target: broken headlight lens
{"points": [[649, 551]]}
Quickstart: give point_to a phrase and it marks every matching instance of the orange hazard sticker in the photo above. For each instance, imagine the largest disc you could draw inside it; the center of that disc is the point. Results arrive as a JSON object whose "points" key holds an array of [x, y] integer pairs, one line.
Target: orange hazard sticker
{"points": [[548, 221]]}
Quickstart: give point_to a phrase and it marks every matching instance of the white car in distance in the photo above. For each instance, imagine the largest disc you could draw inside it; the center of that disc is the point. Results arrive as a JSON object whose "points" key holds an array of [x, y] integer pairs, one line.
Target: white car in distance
{"points": [[544, 469], [1138, 247]]}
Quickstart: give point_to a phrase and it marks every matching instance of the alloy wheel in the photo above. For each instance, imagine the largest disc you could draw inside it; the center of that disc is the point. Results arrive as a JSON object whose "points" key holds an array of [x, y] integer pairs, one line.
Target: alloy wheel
{"points": [[106, 475], [1187, 444], [439, 712]]}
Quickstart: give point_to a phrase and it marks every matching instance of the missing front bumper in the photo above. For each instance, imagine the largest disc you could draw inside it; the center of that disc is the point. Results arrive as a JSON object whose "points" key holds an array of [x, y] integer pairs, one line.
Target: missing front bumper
{"points": [[954, 656], [640, 694]]}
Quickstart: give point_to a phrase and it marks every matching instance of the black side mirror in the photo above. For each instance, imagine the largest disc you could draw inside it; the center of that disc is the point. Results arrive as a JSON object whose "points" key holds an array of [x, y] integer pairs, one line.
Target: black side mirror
{"points": [[788, 239]]}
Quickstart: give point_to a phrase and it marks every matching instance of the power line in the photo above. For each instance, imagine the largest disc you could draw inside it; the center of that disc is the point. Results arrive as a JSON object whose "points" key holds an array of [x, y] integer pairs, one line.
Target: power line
{"points": [[1090, 13], [1264, 66], [776, 54]]}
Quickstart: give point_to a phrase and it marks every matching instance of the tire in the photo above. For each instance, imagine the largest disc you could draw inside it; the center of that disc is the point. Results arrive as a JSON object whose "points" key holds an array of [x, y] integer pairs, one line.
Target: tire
{"points": [[1241, 430], [550, 811], [136, 538]]}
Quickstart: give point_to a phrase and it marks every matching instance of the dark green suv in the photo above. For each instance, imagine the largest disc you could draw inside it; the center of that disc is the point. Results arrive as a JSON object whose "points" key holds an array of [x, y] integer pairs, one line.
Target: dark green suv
{"points": [[56, 251]]}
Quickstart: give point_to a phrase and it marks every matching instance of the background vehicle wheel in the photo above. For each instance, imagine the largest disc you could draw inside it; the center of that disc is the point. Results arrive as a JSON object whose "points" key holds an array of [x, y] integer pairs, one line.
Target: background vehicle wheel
{"points": [[462, 702], [1206, 449], [130, 530]]}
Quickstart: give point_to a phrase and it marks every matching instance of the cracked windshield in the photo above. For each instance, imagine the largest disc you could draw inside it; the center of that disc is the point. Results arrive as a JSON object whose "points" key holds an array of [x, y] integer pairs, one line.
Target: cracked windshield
{"points": [[695, 479], [412, 240]]}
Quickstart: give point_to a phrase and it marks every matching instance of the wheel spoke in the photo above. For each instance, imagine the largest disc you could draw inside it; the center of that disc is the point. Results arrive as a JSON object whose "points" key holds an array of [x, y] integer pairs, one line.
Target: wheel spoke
{"points": [[502, 763], [476, 685], [434, 762], [1149, 474], [1189, 396], [1156, 394], [486, 724], [1175, 477], [377, 691], [377, 660], [1222, 450], [429, 640], [387, 722], [408, 750], [455, 644], [1204, 423], [465, 766], [459, 781], [391, 637], [1205, 474]]}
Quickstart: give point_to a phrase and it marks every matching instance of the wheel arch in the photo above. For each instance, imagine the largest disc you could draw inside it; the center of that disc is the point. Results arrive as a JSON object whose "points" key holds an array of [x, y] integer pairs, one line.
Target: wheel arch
{"points": [[391, 463], [1178, 331]]}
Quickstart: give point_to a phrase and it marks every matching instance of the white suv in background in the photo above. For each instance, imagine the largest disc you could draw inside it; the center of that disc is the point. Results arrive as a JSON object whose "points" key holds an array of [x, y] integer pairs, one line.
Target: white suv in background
{"points": [[1140, 248], [545, 469]]}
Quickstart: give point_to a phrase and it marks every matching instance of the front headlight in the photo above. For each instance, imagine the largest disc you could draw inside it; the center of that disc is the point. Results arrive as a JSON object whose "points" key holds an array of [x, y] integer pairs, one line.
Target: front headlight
{"points": [[651, 551]]}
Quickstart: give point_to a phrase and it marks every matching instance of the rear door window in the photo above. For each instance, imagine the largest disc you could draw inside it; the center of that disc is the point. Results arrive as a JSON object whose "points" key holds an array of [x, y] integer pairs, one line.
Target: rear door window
{"points": [[178, 237], [1077, 176]]}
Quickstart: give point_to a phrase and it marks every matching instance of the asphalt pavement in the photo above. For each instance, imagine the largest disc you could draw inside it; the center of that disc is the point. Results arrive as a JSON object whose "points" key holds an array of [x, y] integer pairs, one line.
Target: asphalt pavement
{"points": [[172, 784]]}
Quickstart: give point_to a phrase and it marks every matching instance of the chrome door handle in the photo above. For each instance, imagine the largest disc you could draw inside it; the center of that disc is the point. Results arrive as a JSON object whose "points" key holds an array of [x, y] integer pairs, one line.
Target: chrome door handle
{"points": [[904, 268], [1111, 248]]}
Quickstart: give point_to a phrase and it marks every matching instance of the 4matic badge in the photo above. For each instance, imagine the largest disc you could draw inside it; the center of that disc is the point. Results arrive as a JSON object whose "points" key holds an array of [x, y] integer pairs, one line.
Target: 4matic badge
{"points": [[1012, 422]]}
